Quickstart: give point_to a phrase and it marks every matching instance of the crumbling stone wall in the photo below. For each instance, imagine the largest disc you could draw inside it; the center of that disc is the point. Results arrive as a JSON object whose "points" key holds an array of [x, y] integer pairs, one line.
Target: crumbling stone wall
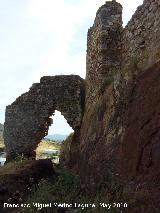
{"points": [[141, 39], [103, 48], [28, 118], [99, 128], [123, 53], [113, 52]]}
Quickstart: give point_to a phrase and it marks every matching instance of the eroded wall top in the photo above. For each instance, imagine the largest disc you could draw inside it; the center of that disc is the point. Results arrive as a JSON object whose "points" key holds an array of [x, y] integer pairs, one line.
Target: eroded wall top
{"points": [[103, 47], [113, 51], [141, 39]]}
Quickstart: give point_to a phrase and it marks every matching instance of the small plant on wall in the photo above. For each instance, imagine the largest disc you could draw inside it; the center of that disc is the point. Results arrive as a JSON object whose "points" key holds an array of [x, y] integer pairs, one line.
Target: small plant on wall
{"points": [[106, 83]]}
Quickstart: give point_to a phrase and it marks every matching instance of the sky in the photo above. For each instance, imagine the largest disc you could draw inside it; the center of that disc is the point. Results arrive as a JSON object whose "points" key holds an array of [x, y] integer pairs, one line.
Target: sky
{"points": [[45, 37]]}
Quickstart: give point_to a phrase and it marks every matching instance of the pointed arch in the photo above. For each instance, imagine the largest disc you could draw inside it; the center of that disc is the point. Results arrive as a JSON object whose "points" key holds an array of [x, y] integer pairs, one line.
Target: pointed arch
{"points": [[27, 120]]}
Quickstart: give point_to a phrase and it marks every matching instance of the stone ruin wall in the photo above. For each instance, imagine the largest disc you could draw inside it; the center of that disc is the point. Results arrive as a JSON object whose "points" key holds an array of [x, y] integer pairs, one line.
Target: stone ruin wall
{"points": [[141, 39], [103, 48], [28, 118], [122, 53], [114, 50]]}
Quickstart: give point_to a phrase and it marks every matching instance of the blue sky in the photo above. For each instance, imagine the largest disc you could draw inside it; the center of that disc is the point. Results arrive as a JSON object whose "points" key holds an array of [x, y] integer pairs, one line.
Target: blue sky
{"points": [[45, 37]]}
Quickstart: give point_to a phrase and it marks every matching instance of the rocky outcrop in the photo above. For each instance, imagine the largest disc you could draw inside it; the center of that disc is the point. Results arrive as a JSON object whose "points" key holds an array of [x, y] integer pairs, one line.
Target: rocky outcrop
{"points": [[27, 119], [17, 179]]}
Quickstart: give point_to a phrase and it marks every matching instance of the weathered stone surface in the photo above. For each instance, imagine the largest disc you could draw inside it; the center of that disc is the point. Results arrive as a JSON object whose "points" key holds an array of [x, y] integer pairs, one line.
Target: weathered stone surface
{"points": [[141, 39], [112, 143], [139, 143], [126, 53], [17, 179], [138, 146], [103, 48], [27, 119]]}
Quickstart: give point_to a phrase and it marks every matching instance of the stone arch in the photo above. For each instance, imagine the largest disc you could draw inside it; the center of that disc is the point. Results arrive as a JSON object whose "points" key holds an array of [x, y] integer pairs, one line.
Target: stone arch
{"points": [[27, 120]]}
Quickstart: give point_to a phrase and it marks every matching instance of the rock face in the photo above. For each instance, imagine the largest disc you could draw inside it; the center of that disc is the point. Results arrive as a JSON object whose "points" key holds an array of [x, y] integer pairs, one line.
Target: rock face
{"points": [[139, 142], [15, 182], [116, 58], [27, 119], [120, 128]]}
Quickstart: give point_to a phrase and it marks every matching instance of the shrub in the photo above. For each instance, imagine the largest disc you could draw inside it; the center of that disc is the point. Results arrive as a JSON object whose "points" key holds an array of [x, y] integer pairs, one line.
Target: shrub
{"points": [[65, 189]]}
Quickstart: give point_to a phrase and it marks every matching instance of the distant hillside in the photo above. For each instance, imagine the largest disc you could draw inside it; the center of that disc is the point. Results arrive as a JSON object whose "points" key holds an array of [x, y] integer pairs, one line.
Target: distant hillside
{"points": [[56, 137]]}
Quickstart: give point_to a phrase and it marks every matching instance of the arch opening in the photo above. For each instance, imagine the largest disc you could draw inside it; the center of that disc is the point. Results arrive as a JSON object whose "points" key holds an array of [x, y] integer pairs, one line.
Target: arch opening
{"points": [[56, 132], [60, 125]]}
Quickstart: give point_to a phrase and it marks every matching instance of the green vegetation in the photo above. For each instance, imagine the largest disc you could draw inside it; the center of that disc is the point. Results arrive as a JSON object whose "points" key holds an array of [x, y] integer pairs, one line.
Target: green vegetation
{"points": [[106, 83], [64, 189], [67, 188], [108, 80]]}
